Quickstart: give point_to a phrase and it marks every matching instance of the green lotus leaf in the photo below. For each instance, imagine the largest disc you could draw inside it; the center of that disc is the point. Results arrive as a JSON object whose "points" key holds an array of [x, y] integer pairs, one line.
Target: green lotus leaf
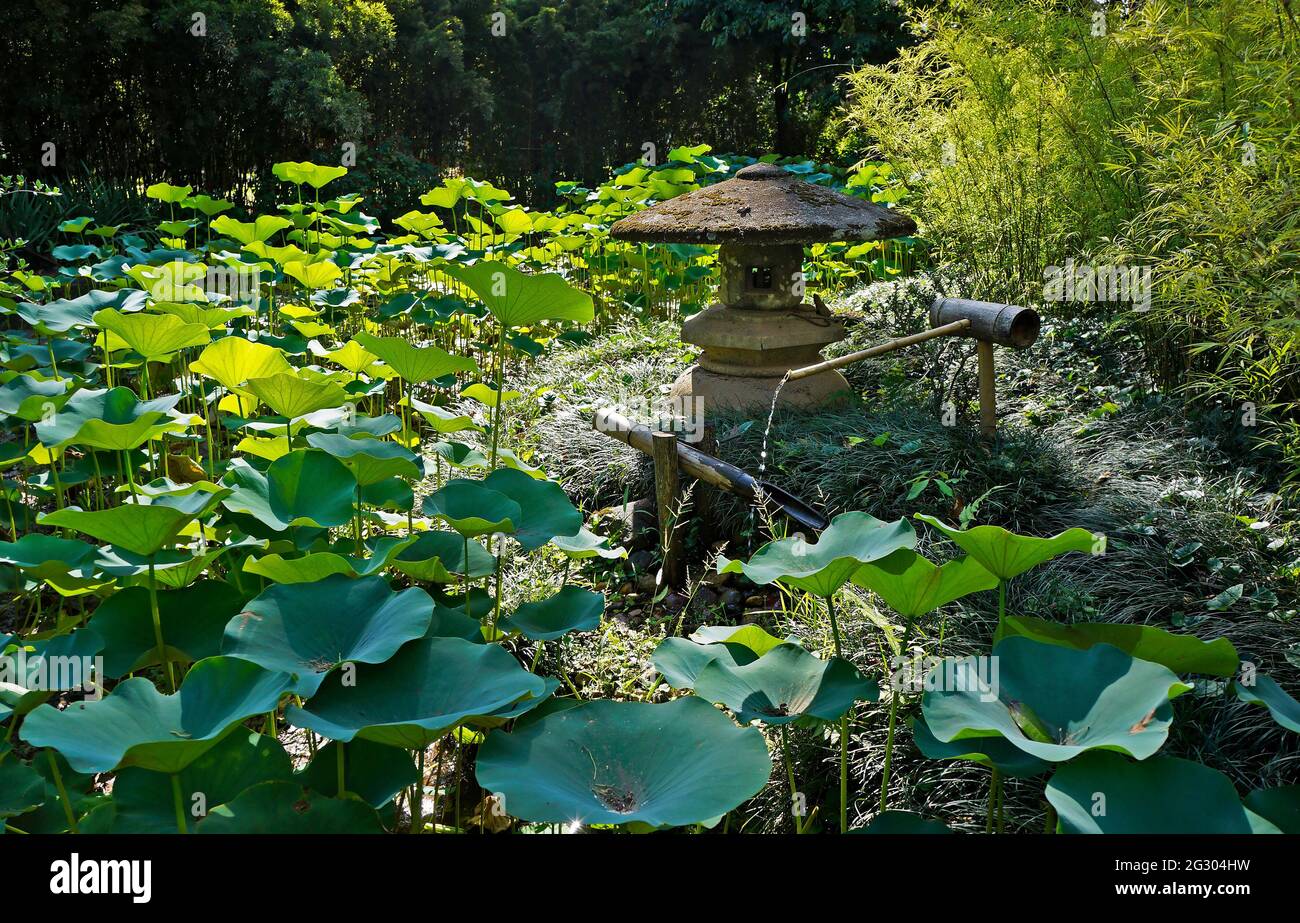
{"points": [[232, 361], [153, 336], [136, 725], [308, 629], [29, 398], [374, 772], [143, 801], [283, 808], [261, 228], [351, 356], [192, 619], [292, 395], [65, 314], [454, 622], [606, 762], [912, 585], [489, 397], [1005, 554], [785, 685], [546, 510], [571, 609], [1279, 806], [309, 487], [1054, 702], [21, 787], [472, 508], [1106, 793], [1180, 653], [166, 192], [415, 364], [61, 663], [313, 275], [442, 420], [66, 564], [995, 752], [139, 528], [585, 544], [369, 460], [519, 299], [51, 815], [823, 566], [419, 694], [439, 557], [112, 419], [459, 455], [753, 637], [314, 175], [318, 565], [1265, 691], [894, 823], [681, 661]]}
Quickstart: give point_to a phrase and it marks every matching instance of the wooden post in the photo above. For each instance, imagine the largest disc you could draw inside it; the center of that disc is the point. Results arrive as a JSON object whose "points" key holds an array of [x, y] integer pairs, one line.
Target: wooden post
{"points": [[988, 392], [667, 502]]}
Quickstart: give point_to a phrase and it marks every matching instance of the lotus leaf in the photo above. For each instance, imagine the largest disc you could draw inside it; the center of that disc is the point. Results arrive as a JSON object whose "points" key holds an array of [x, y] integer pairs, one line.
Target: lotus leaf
{"points": [[784, 685], [607, 762], [1191, 798], [1265, 691], [519, 299], [308, 629], [823, 566], [912, 585], [413, 363], [419, 694], [1180, 653], [1005, 554], [136, 725], [571, 609], [1054, 702]]}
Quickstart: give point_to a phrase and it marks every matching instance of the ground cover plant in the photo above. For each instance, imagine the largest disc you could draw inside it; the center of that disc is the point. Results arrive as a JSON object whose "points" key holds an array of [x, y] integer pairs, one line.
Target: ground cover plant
{"points": [[306, 528]]}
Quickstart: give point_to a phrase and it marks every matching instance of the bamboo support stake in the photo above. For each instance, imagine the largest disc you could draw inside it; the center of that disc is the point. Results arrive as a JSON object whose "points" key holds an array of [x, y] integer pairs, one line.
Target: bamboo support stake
{"points": [[988, 392], [667, 499]]}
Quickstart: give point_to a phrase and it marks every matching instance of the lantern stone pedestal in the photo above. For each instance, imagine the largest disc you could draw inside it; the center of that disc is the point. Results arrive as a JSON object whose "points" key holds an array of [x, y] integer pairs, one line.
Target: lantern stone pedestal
{"points": [[746, 353]]}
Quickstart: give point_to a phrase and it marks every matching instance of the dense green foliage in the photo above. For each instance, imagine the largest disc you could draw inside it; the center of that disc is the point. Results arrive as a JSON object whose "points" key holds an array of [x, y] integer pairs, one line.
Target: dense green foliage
{"points": [[522, 93], [1161, 137]]}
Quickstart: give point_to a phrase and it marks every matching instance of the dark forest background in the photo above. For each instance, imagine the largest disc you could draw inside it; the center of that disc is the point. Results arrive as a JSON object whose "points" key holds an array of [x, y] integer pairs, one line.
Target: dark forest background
{"points": [[126, 89]]}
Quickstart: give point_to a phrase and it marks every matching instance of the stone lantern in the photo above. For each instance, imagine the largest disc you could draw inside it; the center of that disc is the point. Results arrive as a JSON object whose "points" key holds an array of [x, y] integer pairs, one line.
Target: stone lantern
{"points": [[761, 328]]}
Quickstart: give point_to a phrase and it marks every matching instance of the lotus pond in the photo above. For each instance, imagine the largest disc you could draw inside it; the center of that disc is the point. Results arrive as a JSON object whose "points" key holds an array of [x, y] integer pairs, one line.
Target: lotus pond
{"points": [[263, 492]]}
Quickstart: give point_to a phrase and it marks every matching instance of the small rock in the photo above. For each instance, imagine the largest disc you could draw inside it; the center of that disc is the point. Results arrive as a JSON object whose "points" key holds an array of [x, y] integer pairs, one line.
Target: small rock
{"points": [[625, 589], [733, 601], [641, 561], [675, 601], [755, 601], [646, 583], [715, 579]]}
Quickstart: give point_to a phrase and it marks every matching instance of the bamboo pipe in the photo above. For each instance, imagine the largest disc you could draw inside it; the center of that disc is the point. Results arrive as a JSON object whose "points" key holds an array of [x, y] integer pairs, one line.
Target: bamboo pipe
{"points": [[947, 330], [712, 471]]}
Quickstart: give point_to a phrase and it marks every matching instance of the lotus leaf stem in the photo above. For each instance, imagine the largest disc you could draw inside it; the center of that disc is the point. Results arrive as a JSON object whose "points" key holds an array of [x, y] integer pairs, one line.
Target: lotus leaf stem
{"points": [[789, 771], [63, 792], [179, 800], [157, 629]]}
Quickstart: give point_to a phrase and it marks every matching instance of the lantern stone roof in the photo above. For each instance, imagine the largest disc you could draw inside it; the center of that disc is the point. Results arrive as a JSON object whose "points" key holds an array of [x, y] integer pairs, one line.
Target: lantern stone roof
{"points": [[762, 204]]}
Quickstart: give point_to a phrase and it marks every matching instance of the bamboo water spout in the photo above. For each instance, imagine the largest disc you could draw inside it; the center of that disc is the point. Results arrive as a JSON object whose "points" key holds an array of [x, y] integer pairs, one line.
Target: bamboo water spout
{"points": [[712, 471]]}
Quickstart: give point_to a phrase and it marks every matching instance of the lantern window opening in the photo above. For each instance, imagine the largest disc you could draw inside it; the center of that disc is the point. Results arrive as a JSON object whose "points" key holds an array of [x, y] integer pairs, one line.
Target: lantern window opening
{"points": [[759, 278]]}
